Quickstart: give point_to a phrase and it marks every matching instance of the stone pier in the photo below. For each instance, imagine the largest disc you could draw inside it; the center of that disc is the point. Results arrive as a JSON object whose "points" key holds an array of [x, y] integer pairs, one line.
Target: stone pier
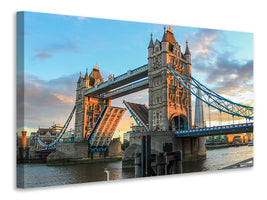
{"points": [[164, 141]]}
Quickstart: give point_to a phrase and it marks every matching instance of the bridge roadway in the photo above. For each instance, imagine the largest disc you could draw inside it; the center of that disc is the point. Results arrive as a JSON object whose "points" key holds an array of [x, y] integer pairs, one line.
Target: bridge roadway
{"points": [[216, 130], [119, 81], [128, 89]]}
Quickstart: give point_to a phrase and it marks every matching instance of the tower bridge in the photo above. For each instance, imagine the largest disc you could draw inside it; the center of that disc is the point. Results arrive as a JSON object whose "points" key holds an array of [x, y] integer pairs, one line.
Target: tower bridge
{"points": [[168, 116]]}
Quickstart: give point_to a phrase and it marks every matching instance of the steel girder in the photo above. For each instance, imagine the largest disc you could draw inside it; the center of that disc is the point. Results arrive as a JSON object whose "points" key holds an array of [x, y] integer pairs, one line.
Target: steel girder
{"points": [[100, 136], [59, 135], [217, 130], [213, 99], [135, 117]]}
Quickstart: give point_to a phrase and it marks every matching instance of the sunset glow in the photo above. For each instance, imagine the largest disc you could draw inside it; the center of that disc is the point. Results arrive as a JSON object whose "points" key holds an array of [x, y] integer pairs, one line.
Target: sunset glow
{"points": [[58, 48]]}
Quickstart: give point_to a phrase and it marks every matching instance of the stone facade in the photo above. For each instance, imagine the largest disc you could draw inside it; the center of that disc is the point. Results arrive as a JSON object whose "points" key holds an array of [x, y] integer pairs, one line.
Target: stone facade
{"points": [[169, 102], [170, 105], [87, 108]]}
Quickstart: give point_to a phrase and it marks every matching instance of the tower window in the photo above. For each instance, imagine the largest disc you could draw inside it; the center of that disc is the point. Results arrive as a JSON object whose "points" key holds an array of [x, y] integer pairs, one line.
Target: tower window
{"points": [[170, 47]]}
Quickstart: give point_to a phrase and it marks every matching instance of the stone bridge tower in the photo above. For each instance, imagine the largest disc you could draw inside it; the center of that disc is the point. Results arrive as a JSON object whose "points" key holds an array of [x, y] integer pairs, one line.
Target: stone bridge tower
{"points": [[87, 108], [170, 105]]}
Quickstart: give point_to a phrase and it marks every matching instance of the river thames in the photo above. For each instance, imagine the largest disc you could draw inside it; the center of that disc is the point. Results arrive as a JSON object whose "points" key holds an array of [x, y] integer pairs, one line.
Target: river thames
{"points": [[38, 175]]}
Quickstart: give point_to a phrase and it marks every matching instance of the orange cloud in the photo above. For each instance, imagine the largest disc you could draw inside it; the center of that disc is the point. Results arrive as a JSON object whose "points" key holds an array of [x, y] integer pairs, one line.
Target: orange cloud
{"points": [[64, 99]]}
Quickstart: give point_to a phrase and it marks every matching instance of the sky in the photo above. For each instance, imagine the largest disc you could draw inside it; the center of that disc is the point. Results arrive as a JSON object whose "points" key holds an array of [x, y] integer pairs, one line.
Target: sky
{"points": [[59, 47]]}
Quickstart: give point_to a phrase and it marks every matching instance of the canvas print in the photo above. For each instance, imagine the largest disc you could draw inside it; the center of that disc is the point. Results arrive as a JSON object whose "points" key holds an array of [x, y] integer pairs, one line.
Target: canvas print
{"points": [[104, 100]]}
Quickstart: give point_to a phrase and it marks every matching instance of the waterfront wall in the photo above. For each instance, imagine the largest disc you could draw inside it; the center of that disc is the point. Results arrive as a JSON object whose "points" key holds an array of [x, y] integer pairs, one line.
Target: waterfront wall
{"points": [[79, 151], [192, 148], [66, 152]]}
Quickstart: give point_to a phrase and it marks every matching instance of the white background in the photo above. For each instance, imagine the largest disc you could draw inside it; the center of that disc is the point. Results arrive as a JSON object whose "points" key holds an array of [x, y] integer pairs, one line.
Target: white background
{"points": [[247, 16]]}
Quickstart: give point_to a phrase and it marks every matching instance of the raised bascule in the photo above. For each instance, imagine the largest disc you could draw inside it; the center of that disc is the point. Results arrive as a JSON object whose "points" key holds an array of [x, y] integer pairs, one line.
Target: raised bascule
{"points": [[168, 116]]}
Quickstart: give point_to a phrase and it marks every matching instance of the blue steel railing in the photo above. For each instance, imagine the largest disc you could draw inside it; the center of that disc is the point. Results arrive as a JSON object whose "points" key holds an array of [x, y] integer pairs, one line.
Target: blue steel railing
{"points": [[59, 135], [46, 149], [213, 99], [135, 117], [124, 89], [91, 135], [216, 130]]}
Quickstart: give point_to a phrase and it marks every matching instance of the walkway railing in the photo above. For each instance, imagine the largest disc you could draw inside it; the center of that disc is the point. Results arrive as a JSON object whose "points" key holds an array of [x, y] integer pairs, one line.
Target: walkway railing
{"points": [[216, 130], [211, 98], [130, 76], [126, 90]]}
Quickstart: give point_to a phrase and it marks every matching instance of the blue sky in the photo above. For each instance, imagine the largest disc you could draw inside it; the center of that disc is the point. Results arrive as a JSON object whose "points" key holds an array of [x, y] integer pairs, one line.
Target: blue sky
{"points": [[58, 47]]}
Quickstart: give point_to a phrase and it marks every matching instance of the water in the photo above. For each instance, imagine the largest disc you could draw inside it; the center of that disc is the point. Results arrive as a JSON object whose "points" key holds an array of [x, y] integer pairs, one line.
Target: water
{"points": [[219, 158], [38, 175]]}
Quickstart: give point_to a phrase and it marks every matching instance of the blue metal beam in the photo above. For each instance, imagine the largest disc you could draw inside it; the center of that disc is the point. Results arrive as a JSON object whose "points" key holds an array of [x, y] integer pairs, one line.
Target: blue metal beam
{"points": [[213, 99], [126, 90], [59, 135], [91, 135], [217, 130], [136, 119]]}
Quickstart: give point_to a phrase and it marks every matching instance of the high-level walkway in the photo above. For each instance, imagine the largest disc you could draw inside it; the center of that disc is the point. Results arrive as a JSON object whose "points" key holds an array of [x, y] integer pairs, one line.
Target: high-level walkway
{"points": [[119, 81]]}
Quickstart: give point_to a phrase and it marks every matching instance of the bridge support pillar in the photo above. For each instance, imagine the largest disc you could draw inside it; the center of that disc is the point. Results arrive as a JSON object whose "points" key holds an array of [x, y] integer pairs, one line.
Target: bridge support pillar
{"points": [[138, 165], [202, 146], [161, 164], [177, 163], [191, 148]]}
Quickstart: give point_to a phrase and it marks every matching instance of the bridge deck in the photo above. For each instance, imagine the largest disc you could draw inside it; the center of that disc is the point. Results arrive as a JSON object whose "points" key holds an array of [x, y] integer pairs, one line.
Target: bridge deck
{"points": [[140, 111], [217, 130], [102, 132]]}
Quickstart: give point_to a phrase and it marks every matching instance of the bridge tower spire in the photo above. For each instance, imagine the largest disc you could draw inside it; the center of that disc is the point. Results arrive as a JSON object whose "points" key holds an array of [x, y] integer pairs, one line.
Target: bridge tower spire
{"points": [[169, 102]]}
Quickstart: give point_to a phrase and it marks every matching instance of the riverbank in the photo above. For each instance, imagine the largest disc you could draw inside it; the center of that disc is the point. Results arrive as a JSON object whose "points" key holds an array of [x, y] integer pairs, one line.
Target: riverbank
{"points": [[240, 164]]}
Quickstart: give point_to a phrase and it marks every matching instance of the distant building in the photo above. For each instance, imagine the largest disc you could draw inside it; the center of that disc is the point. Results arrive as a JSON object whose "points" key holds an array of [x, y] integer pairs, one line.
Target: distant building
{"points": [[56, 127], [229, 139], [32, 138], [47, 135]]}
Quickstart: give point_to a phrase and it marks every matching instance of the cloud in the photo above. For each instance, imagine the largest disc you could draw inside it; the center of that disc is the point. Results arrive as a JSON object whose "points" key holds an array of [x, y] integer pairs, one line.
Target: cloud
{"points": [[43, 55], [203, 44], [52, 50], [46, 102], [51, 101], [214, 58], [229, 74]]}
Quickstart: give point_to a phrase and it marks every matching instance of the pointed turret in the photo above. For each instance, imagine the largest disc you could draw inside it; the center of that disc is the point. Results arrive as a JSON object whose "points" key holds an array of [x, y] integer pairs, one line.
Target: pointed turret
{"points": [[86, 77], [164, 38], [95, 76], [151, 45], [168, 36], [80, 78], [187, 52], [96, 67]]}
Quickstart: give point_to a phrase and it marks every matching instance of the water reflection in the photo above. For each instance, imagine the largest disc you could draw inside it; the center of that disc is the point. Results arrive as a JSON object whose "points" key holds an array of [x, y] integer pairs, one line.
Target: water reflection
{"points": [[36, 175]]}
